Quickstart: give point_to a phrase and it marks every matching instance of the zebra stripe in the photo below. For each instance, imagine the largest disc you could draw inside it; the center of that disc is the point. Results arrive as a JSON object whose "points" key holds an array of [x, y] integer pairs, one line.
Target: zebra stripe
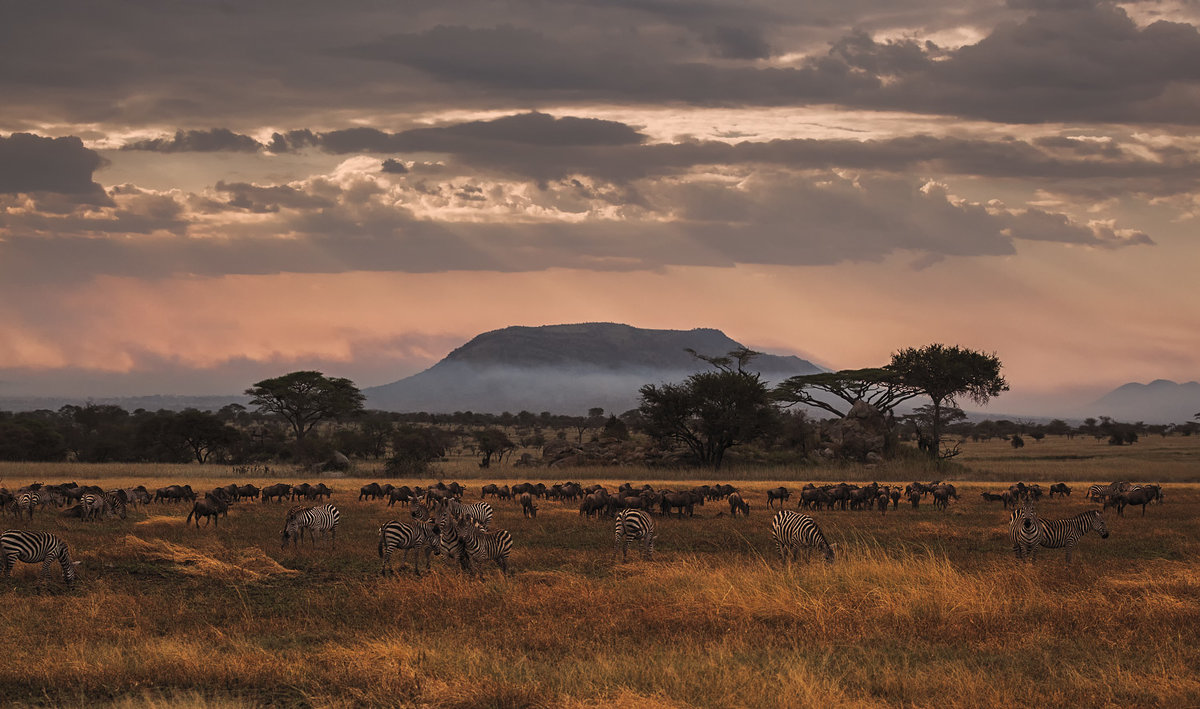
{"points": [[35, 547], [480, 511], [481, 545], [315, 519], [793, 531], [27, 501], [421, 536], [1096, 492], [93, 505], [632, 525], [1025, 529], [1060, 533]]}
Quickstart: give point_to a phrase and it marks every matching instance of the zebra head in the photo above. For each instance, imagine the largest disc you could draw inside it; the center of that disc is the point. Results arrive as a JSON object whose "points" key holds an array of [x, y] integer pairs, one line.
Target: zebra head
{"points": [[1098, 525], [1025, 516], [828, 552]]}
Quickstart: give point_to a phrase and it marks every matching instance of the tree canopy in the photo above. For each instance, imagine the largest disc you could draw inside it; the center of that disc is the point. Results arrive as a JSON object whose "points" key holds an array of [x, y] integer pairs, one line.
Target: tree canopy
{"points": [[710, 412], [306, 398]]}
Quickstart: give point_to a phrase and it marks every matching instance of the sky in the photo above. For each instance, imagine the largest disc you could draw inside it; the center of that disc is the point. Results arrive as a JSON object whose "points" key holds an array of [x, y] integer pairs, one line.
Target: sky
{"points": [[196, 196]]}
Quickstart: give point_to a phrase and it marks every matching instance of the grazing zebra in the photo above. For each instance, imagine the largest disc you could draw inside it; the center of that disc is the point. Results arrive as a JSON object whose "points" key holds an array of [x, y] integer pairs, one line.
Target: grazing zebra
{"points": [[94, 505], [314, 519], [33, 547], [632, 525], [1025, 529], [792, 531], [1096, 492], [27, 501], [419, 536], [1059, 533], [480, 511], [481, 545]]}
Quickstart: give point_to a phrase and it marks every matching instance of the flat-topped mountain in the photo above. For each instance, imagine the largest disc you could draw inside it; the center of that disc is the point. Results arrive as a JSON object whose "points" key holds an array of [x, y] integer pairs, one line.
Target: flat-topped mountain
{"points": [[565, 369]]}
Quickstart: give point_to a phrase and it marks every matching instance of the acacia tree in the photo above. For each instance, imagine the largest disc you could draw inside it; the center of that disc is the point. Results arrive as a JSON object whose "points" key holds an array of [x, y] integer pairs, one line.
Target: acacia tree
{"points": [[945, 373], [880, 387], [710, 412], [306, 398]]}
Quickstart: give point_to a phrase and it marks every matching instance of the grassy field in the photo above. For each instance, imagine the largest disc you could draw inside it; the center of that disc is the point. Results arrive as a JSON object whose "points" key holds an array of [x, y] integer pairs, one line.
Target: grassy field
{"points": [[921, 608]]}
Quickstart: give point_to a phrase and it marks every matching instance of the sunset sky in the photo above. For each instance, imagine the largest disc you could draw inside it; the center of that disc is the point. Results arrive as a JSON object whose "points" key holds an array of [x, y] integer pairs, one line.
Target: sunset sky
{"points": [[198, 195]]}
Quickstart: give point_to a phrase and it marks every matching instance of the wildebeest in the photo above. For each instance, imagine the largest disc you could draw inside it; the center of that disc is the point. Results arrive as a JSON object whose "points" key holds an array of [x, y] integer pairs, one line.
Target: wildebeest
{"points": [[777, 493], [992, 497], [210, 508], [1060, 489], [400, 494], [528, 508], [737, 504], [370, 491], [1140, 496], [277, 491], [490, 489], [677, 500], [174, 493], [249, 491]]}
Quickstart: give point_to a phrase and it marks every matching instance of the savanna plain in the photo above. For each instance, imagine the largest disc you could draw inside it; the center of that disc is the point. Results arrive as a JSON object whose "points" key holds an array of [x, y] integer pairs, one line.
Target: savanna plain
{"points": [[921, 607]]}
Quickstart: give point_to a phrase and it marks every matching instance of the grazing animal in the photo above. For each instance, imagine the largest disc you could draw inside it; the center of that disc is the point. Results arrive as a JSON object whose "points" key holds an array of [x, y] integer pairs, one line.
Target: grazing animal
{"points": [[1025, 529], [94, 506], [1097, 493], [1138, 496], [35, 547], [632, 525], [992, 497], [479, 544], [778, 493], [210, 508], [793, 531], [409, 536], [315, 519], [528, 508], [1065, 533], [737, 504], [278, 491], [1060, 489], [26, 502], [481, 511], [371, 491]]}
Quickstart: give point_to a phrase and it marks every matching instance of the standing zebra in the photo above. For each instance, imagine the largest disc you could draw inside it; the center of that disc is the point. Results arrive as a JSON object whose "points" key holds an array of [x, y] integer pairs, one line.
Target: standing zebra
{"points": [[481, 545], [793, 530], [1025, 529], [94, 505], [419, 536], [27, 501], [33, 547], [1059, 533], [314, 519], [480, 511], [632, 525]]}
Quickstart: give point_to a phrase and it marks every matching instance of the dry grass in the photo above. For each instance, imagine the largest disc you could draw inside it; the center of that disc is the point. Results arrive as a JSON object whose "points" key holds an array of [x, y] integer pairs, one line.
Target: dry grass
{"points": [[924, 608]]}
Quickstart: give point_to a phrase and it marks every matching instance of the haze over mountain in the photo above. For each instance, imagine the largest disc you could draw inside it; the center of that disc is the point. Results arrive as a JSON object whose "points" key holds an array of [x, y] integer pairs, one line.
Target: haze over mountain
{"points": [[1160, 401], [565, 369]]}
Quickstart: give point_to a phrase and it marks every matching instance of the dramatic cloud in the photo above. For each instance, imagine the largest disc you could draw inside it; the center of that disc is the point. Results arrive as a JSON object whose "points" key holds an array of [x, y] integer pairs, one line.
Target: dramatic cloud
{"points": [[200, 141], [31, 163]]}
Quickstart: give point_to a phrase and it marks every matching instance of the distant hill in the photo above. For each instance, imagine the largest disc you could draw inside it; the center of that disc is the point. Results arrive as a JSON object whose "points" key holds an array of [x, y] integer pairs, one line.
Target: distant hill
{"points": [[153, 402], [565, 369], [1160, 401]]}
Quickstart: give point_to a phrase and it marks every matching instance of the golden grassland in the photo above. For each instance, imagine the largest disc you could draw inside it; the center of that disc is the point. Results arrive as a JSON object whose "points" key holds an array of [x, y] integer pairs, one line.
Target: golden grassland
{"points": [[921, 608]]}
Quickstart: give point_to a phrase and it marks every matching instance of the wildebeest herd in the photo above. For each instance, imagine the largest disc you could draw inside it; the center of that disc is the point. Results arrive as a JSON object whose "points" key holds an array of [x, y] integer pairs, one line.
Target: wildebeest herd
{"points": [[443, 523]]}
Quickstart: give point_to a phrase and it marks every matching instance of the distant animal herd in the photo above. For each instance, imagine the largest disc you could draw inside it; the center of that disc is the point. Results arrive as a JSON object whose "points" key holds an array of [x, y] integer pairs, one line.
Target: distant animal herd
{"points": [[442, 523]]}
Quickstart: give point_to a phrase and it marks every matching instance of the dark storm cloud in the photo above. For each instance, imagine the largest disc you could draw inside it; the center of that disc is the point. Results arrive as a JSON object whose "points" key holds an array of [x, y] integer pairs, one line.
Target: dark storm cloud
{"points": [[198, 141], [518, 58], [770, 218], [31, 163], [393, 167], [258, 199]]}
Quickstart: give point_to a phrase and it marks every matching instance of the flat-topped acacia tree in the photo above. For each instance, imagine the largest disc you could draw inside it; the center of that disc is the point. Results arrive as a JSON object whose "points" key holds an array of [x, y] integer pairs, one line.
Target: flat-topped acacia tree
{"points": [[306, 398]]}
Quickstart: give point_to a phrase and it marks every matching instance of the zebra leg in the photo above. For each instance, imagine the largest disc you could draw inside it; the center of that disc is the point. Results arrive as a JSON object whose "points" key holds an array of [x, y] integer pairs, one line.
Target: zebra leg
{"points": [[649, 546]]}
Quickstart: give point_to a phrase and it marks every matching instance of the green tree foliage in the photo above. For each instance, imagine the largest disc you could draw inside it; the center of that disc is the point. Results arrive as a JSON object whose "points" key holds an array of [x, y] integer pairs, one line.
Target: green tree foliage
{"points": [[27, 437], [306, 398], [881, 387], [204, 434], [710, 412], [945, 373], [413, 449], [492, 442]]}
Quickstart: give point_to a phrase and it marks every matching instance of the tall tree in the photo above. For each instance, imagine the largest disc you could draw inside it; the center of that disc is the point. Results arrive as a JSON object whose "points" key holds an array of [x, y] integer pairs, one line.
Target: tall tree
{"points": [[710, 412], [880, 387], [306, 398], [945, 373]]}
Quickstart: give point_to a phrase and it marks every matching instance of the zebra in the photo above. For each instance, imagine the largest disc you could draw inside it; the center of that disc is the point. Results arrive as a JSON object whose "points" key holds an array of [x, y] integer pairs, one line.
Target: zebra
{"points": [[1096, 492], [480, 545], [94, 505], [480, 511], [27, 501], [1059, 533], [632, 525], [1025, 529], [32, 547], [314, 519], [421, 536], [792, 530], [448, 537]]}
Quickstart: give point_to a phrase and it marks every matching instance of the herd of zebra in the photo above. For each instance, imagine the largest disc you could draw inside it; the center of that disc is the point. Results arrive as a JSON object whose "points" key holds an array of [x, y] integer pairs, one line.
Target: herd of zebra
{"points": [[442, 524]]}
